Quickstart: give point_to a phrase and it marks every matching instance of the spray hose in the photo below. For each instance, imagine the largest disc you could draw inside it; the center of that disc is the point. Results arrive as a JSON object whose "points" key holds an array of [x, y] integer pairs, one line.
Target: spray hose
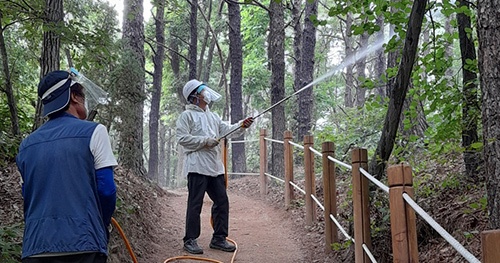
{"points": [[122, 234]]}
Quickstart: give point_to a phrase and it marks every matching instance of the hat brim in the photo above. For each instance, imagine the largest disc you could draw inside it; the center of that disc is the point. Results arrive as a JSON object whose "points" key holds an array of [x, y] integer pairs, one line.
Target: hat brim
{"points": [[57, 103]]}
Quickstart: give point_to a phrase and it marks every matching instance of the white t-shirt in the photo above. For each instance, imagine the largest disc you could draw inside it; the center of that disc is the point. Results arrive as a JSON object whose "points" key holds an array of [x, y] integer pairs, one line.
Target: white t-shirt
{"points": [[101, 148]]}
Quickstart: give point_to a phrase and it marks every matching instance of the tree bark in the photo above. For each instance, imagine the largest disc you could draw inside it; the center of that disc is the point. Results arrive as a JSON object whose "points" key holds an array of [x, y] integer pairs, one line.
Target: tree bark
{"points": [[470, 107], [11, 101], [193, 46], [50, 60], [238, 157], [132, 91], [488, 29], [154, 114], [349, 75], [400, 89], [306, 97], [277, 62], [360, 69]]}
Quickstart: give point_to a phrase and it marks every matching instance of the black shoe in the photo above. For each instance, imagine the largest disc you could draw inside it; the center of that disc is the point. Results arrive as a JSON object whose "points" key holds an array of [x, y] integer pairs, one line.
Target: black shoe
{"points": [[222, 245], [192, 247]]}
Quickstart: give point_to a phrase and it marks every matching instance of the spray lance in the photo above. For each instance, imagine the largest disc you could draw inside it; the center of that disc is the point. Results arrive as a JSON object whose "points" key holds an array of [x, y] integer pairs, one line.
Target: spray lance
{"points": [[346, 62], [270, 108], [94, 95]]}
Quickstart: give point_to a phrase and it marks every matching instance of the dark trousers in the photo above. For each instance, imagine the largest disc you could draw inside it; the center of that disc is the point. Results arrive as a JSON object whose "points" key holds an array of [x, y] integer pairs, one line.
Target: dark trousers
{"points": [[78, 258], [215, 187]]}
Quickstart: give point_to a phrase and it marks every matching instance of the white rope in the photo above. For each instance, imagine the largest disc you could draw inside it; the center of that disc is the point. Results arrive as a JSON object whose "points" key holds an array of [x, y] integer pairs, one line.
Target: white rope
{"points": [[297, 187], [255, 140], [340, 163], [453, 242], [275, 178], [374, 180], [316, 152], [318, 202], [296, 145], [369, 253], [341, 228], [273, 140], [243, 173]]}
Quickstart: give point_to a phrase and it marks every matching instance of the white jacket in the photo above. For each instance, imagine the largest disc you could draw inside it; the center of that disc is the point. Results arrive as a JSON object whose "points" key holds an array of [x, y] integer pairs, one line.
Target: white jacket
{"points": [[194, 127]]}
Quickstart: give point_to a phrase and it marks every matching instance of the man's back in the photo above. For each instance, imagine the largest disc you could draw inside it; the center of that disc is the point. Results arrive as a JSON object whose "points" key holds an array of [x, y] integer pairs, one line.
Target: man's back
{"points": [[60, 192]]}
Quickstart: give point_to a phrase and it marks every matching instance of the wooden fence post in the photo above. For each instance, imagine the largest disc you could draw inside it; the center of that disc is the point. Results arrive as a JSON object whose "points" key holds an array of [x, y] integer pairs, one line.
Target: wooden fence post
{"points": [[360, 202], [489, 246], [263, 162], [330, 195], [403, 218], [288, 167], [309, 179]]}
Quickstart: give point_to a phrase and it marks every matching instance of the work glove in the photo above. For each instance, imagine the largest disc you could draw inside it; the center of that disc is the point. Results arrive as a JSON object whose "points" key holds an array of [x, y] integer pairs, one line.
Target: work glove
{"points": [[211, 142], [247, 122]]}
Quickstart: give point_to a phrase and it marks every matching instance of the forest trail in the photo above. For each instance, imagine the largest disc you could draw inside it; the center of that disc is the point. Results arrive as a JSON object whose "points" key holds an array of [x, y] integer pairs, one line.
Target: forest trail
{"points": [[263, 233]]}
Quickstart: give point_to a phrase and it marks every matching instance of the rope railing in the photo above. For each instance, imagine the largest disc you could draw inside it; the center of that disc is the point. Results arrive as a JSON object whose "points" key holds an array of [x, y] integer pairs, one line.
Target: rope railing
{"points": [[450, 239], [408, 252], [298, 188], [238, 173], [273, 140], [296, 145], [244, 141], [275, 178], [374, 180], [340, 163], [369, 253]]}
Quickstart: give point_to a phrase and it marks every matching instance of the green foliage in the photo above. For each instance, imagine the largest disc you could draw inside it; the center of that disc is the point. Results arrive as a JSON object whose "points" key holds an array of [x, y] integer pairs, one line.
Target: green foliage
{"points": [[10, 243]]}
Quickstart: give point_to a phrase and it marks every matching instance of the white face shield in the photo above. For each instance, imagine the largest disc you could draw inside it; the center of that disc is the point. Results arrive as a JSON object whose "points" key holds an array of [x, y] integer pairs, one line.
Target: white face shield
{"points": [[94, 95], [209, 95]]}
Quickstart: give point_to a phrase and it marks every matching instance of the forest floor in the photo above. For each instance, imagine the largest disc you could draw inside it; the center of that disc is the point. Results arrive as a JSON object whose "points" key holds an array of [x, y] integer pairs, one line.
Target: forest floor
{"points": [[152, 219]]}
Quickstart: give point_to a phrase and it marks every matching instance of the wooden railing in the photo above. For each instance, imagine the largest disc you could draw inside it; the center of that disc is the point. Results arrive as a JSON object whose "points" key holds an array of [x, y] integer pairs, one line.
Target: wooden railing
{"points": [[401, 204]]}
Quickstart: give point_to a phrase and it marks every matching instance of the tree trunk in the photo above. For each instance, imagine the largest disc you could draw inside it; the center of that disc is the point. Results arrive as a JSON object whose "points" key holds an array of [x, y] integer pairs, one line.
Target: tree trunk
{"points": [[11, 101], [277, 62], [360, 69], [380, 64], [132, 89], [297, 51], [53, 17], [349, 76], [488, 29], [163, 152], [204, 43], [238, 157], [470, 107], [193, 46], [306, 97], [154, 114], [400, 89]]}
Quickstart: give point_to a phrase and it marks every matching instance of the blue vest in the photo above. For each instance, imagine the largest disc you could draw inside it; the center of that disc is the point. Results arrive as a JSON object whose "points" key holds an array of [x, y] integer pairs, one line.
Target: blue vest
{"points": [[61, 203]]}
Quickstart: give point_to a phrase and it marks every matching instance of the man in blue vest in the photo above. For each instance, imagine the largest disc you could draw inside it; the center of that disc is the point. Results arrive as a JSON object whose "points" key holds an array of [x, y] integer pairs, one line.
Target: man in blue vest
{"points": [[68, 188]]}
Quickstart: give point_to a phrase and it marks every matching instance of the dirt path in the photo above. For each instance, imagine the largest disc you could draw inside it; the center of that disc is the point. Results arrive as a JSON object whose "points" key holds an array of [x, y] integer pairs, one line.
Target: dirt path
{"points": [[262, 233]]}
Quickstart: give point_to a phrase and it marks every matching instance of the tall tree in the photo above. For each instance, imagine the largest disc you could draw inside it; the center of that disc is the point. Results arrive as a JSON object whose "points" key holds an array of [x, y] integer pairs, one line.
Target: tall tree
{"points": [[349, 51], [488, 31], [470, 107], [14, 119], [193, 46], [306, 72], [154, 114], [131, 88], [276, 52], [397, 98], [53, 17], [236, 55]]}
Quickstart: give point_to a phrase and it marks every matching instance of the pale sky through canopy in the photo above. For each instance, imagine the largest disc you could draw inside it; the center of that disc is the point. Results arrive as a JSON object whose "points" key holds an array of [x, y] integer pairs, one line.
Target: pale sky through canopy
{"points": [[118, 5]]}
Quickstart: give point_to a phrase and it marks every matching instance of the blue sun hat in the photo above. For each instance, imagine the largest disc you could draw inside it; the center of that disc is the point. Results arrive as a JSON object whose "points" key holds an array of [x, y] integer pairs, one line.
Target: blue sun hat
{"points": [[54, 91]]}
